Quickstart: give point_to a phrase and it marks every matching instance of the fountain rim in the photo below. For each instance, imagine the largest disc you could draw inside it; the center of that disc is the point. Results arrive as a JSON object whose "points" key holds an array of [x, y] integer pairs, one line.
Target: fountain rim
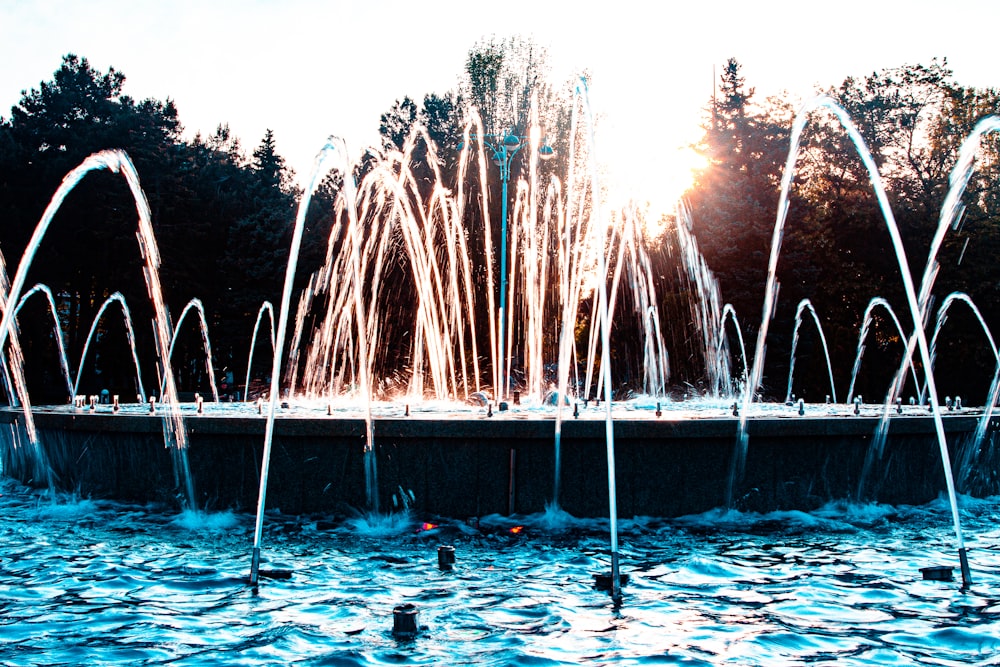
{"points": [[476, 423]]}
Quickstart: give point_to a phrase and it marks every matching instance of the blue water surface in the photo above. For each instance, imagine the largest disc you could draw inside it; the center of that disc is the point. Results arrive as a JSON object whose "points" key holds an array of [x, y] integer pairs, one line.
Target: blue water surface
{"points": [[90, 582]]}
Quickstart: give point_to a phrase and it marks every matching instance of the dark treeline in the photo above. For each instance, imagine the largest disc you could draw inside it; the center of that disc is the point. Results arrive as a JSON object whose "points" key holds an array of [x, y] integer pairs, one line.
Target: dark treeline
{"points": [[837, 251], [223, 218]]}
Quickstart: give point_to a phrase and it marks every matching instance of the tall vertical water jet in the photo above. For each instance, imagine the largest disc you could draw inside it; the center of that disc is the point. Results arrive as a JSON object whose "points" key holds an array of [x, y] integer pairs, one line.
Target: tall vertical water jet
{"points": [[286, 297], [916, 312], [605, 324], [570, 285], [655, 360], [632, 269], [475, 128], [354, 237], [706, 310]]}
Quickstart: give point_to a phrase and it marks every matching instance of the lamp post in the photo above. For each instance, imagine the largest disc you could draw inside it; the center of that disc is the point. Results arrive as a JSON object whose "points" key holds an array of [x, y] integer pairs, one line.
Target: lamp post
{"points": [[503, 148]]}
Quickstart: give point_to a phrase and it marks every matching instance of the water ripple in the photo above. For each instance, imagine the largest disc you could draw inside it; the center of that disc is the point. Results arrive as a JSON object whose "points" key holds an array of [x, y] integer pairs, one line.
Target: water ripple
{"points": [[88, 582]]}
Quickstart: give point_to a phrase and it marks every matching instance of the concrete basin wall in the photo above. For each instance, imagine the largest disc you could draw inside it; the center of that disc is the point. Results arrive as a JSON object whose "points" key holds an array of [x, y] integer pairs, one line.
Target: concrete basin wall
{"points": [[478, 466]]}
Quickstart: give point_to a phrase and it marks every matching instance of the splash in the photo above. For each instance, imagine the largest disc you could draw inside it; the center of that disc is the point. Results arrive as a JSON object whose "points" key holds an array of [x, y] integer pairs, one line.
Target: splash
{"points": [[199, 521]]}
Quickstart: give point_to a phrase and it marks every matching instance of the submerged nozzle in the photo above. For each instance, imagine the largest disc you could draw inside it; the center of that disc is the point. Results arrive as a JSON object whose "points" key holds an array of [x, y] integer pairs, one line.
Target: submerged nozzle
{"points": [[114, 405], [658, 411], [446, 557], [736, 409], [404, 621], [937, 573], [576, 409], [152, 404], [963, 560], [802, 407], [406, 413], [611, 582]]}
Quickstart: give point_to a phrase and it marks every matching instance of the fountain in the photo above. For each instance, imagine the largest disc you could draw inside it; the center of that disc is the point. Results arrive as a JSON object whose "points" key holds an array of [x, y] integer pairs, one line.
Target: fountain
{"points": [[867, 319], [804, 306], [336, 433], [129, 328]]}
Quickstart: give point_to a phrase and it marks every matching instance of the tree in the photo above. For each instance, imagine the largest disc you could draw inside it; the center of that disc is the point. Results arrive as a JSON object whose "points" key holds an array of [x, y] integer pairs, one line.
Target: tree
{"points": [[257, 245], [913, 119], [269, 166], [735, 197], [836, 250], [214, 213], [90, 250]]}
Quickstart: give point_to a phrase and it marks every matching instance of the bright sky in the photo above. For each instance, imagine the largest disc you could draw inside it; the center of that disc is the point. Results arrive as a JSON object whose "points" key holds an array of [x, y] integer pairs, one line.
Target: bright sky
{"points": [[311, 68]]}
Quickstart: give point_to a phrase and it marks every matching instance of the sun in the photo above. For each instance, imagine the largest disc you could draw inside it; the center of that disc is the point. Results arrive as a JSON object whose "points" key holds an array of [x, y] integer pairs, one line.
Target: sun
{"points": [[653, 179]]}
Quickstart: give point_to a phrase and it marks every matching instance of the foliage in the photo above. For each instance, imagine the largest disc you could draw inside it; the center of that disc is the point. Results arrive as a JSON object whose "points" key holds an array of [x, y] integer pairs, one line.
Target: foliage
{"points": [[221, 221], [836, 249]]}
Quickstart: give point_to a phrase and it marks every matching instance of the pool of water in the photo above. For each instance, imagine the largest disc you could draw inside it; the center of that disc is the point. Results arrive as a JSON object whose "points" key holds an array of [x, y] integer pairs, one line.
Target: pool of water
{"points": [[98, 582]]}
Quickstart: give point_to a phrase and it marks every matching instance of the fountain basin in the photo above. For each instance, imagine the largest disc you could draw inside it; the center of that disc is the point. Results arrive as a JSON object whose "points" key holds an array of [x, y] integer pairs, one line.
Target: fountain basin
{"points": [[467, 464]]}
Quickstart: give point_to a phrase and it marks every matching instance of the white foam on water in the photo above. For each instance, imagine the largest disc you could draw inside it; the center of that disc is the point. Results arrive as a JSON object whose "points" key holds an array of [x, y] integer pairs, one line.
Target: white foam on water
{"points": [[375, 524], [65, 508], [209, 522]]}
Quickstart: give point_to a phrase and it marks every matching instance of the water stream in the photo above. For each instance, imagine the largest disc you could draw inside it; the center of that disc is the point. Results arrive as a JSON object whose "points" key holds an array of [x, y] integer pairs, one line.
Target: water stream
{"points": [[915, 306]]}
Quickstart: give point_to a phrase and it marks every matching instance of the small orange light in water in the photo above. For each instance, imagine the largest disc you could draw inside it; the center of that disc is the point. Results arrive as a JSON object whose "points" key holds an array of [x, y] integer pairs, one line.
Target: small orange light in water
{"points": [[428, 526], [516, 530]]}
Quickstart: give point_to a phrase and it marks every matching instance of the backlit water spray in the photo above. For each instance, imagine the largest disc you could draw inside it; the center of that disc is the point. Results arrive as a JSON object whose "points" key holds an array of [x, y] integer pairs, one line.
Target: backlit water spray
{"points": [[605, 323], [332, 148]]}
